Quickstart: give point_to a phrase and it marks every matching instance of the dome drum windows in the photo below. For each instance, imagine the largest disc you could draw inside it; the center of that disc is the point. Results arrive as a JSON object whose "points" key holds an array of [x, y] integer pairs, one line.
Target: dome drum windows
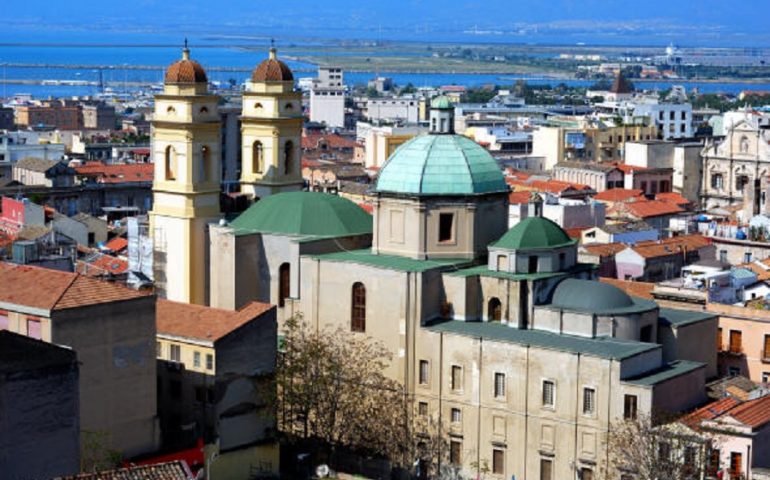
{"points": [[170, 163], [358, 308], [257, 157], [288, 158]]}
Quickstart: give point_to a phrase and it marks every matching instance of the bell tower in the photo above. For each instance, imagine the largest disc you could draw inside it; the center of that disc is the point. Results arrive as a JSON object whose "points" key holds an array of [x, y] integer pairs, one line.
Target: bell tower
{"points": [[271, 129], [186, 149]]}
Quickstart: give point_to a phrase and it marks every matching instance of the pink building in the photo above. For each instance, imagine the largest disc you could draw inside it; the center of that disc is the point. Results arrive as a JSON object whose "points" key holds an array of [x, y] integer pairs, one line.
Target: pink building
{"points": [[740, 431]]}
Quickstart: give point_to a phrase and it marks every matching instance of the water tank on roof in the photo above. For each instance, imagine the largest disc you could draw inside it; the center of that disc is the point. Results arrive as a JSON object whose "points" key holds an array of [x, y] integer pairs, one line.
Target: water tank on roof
{"points": [[740, 235], [24, 252]]}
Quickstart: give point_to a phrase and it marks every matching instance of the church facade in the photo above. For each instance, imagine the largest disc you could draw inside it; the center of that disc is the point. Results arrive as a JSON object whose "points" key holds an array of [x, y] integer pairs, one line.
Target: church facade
{"points": [[509, 343]]}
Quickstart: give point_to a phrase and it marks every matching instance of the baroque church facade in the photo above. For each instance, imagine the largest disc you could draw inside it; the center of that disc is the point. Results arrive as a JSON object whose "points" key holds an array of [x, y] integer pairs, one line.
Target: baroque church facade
{"points": [[502, 336]]}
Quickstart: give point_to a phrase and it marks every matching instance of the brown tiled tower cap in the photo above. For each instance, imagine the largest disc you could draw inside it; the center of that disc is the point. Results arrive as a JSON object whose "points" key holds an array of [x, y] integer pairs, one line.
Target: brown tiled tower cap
{"points": [[272, 70], [185, 70]]}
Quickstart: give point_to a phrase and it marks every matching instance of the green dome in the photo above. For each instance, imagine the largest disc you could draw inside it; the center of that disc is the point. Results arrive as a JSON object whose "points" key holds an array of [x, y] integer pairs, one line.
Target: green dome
{"points": [[441, 165], [596, 297], [305, 214], [441, 102], [534, 233]]}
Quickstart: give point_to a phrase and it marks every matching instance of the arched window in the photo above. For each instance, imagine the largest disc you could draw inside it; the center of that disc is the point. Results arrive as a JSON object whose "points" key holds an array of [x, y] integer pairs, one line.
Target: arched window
{"points": [[494, 310], [284, 283], [257, 157], [257, 106], [204, 110], [170, 163], [171, 110], [206, 170], [358, 308], [288, 158], [289, 106]]}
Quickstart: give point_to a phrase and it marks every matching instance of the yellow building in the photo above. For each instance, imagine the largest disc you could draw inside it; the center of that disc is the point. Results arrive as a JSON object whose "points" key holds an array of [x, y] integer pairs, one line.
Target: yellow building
{"points": [[186, 150], [580, 141], [271, 129]]}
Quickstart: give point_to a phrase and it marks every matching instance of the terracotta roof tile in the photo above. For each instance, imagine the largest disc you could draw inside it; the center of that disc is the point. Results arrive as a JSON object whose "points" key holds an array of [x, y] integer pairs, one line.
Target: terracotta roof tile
{"points": [[102, 265], [332, 140], [636, 289], [176, 470], [673, 197], [117, 173], [117, 244], [272, 70], [711, 411], [185, 71], [604, 249], [204, 323], [55, 290], [619, 195], [515, 198], [651, 208], [754, 413], [670, 246]]}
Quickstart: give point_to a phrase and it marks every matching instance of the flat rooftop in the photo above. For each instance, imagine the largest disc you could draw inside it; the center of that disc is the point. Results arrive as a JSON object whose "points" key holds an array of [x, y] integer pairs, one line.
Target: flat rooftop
{"points": [[609, 348]]}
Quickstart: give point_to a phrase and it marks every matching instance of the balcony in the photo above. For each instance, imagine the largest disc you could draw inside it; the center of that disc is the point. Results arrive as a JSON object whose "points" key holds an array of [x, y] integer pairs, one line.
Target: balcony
{"points": [[734, 351]]}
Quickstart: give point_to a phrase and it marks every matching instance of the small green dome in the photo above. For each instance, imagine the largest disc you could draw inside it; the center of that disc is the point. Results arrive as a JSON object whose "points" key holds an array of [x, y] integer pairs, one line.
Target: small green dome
{"points": [[441, 165], [596, 297], [534, 233], [304, 214], [441, 102]]}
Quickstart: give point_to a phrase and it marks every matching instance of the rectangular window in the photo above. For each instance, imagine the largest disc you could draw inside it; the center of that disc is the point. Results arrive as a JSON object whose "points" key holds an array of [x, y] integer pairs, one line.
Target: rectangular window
{"points": [[457, 415], [422, 408], [548, 393], [197, 359], [747, 257], [34, 329], [766, 350], [586, 474], [736, 340], [723, 256], [457, 377], [424, 371], [209, 361], [629, 407], [176, 353], [498, 461], [445, 227], [455, 451], [736, 464], [589, 401], [159, 348], [546, 469], [499, 385], [664, 452]]}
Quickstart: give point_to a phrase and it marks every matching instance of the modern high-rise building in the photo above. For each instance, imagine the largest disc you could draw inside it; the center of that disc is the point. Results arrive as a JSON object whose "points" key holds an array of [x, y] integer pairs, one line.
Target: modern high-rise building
{"points": [[327, 98]]}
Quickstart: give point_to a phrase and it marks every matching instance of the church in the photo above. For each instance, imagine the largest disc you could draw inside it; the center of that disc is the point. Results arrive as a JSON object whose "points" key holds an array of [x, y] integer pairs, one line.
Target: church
{"points": [[502, 336]]}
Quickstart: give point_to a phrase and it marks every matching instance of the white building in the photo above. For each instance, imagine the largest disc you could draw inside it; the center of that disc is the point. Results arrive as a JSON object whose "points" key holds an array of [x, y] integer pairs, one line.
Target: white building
{"points": [[393, 109], [674, 120], [17, 145], [327, 98]]}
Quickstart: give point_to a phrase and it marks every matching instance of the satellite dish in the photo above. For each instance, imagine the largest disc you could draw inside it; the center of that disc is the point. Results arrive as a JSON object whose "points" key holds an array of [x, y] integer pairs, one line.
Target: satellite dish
{"points": [[322, 471]]}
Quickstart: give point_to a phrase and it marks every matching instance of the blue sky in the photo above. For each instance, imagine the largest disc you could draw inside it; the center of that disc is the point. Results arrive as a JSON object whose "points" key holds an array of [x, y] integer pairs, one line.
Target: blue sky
{"points": [[653, 21]]}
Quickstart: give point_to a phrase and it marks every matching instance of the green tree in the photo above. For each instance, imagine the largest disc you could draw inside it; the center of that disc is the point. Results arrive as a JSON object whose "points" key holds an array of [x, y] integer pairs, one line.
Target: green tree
{"points": [[331, 393]]}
